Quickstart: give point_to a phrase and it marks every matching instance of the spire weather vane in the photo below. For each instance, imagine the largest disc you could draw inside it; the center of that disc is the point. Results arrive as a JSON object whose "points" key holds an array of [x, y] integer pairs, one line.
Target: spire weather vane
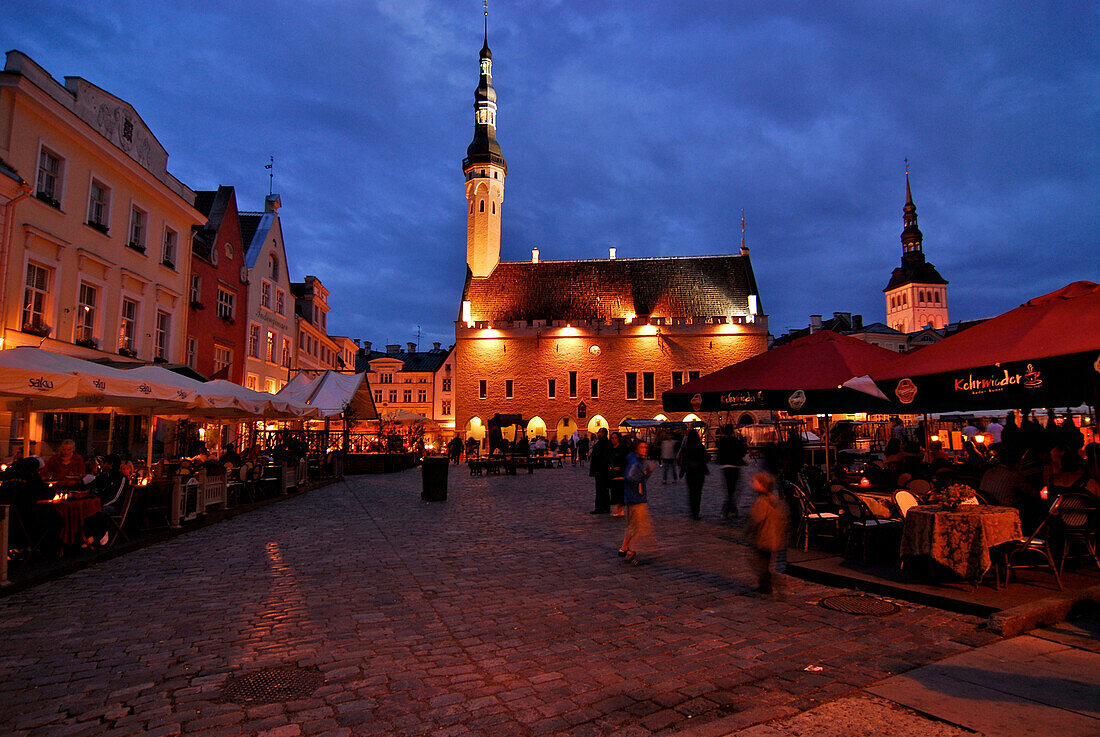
{"points": [[270, 175]]}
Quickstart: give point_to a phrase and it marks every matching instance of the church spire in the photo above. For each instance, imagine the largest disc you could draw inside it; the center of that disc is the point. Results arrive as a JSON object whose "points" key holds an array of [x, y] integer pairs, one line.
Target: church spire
{"points": [[911, 237]]}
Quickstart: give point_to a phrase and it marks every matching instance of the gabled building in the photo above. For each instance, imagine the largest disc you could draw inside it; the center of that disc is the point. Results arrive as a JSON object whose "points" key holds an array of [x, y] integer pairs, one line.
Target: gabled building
{"points": [[316, 351], [916, 296], [218, 291], [583, 343], [415, 381], [270, 338]]}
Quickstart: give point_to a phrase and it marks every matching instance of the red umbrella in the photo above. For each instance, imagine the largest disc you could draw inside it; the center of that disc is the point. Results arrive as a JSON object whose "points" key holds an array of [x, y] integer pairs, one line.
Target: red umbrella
{"points": [[1040, 354], [803, 376]]}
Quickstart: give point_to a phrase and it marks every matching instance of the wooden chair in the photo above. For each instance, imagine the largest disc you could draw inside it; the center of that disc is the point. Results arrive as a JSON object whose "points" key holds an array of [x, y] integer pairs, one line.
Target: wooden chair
{"points": [[1033, 544], [919, 488], [905, 501], [857, 516], [809, 516], [1077, 514], [116, 522]]}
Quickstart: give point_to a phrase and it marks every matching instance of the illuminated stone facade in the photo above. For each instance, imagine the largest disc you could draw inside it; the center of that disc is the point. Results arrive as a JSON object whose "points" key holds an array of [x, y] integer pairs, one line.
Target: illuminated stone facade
{"points": [[588, 343]]}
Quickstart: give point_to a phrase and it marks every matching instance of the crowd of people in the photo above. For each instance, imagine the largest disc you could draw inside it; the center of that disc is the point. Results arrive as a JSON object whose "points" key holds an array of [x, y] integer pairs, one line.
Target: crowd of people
{"points": [[30, 480]]}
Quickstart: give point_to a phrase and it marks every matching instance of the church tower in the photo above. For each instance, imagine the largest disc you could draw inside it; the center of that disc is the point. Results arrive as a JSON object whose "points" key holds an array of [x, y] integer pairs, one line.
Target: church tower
{"points": [[916, 296], [485, 169]]}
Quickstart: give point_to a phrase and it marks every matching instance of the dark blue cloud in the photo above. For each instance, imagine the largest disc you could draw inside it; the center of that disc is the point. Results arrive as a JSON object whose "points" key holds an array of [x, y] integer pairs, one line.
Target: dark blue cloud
{"points": [[644, 126]]}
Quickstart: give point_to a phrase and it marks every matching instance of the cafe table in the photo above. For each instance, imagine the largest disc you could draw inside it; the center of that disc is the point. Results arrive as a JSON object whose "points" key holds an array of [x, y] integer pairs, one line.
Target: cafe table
{"points": [[959, 539], [74, 511]]}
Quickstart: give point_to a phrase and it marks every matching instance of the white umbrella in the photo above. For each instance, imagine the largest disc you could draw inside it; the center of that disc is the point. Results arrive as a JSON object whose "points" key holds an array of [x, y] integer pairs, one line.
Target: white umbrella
{"points": [[54, 381], [332, 393]]}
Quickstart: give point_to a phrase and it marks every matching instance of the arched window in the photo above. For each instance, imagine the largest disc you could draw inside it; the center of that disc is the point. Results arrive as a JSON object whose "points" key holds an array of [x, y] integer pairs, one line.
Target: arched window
{"points": [[483, 206], [494, 208], [937, 296], [274, 263]]}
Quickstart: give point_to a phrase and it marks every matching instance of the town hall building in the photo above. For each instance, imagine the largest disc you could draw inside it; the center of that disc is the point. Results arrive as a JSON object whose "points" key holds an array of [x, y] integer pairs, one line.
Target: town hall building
{"points": [[584, 344]]}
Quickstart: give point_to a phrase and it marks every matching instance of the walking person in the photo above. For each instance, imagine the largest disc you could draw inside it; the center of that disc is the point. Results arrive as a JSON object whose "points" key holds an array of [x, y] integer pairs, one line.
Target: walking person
{"points": [[615, 471], [693, 465], [598, 469], [766, 529], [731, 457], [668, 458], [639, 525]]}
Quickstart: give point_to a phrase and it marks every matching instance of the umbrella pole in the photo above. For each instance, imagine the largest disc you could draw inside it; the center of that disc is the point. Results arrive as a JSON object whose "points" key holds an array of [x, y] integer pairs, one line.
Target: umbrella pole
{"points": [[828, 463], [110, 433], [26, 428], [149, 446], [927, 440]]}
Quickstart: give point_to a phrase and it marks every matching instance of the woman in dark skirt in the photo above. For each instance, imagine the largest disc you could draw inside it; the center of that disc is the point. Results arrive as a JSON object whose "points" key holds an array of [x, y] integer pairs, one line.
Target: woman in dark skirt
{"points": [[616, 471]]}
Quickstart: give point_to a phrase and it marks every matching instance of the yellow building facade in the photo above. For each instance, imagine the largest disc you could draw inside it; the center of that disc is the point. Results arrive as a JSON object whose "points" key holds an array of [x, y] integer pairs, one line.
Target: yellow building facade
{"points": [[96, 251]]}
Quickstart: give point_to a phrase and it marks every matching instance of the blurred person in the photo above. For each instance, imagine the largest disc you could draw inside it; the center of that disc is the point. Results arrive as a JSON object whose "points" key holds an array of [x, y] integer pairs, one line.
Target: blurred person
{"points": [[693, 466], [616, 470], [766, 529], [598, 469], [668, 457], [639, 535], [731, 458]]}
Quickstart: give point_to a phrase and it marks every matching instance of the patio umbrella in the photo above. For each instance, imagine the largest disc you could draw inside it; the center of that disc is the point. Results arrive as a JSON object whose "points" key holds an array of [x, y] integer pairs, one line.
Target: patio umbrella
{"points": [[1044, 353], [802, 377], [333, 393], [32, 379], [402, 417], [209, 402]]}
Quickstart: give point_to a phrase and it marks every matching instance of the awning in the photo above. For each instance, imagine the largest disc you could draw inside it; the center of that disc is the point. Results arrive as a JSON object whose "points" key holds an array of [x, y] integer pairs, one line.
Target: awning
{"points": [[332, 394]]}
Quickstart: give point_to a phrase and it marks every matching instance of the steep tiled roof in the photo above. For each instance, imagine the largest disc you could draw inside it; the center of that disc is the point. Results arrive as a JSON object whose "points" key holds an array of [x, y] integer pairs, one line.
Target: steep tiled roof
{"points": [[694, 286], [212, 204], [250, 222], [417, 361]]}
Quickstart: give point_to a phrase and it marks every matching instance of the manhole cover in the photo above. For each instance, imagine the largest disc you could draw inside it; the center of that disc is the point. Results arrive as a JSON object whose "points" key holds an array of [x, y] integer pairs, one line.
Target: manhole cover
{"points": [[273, 685], [859, 604]]}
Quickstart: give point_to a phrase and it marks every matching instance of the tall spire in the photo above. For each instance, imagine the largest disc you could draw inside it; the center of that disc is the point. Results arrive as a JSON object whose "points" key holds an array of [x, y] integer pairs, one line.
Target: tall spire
{"points": [[911, 237], [484, 149]]}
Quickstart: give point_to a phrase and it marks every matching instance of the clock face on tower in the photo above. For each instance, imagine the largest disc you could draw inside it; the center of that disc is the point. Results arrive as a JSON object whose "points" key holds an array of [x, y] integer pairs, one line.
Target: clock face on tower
{"points": [[594, 350]]}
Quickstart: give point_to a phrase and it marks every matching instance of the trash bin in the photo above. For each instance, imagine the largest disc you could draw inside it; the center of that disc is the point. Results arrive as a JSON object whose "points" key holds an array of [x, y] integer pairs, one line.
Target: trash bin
{"points": [[434, 469]]}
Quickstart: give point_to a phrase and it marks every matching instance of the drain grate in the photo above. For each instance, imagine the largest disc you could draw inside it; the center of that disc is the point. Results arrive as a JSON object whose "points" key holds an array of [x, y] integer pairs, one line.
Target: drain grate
{"points": [[273, 685], [860, 604]]}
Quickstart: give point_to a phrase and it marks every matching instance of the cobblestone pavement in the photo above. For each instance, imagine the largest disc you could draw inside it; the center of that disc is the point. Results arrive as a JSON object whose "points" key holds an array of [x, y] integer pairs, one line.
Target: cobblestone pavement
{"points": [[503, 611]]}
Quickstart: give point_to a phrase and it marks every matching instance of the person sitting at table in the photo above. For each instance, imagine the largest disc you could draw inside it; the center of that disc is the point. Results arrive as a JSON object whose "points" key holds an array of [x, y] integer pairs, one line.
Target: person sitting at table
{"points": [[23, 488], [1073, 478], [65, 470], [893, 458], [201, 457], [939, 458], [1004, 485], [110, 486], [231, 457]]}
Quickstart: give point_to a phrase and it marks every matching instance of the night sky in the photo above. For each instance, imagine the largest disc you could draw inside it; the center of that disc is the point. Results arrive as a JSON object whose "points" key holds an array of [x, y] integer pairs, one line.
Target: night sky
{"points": [[641, 125]]}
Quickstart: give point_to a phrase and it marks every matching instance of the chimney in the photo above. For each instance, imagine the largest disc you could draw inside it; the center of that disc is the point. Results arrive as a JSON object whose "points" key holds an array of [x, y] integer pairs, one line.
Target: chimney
{"points": [[535, 255], [815, 323], [857, 322], [272, 203], [393, 348], [366, 346], [435, 347], [611, 253], [412, 347]]}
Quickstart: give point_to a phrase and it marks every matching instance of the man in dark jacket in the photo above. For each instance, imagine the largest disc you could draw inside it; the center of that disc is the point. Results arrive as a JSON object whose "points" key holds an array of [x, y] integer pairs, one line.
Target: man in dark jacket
{"points": [[598, 468]]}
